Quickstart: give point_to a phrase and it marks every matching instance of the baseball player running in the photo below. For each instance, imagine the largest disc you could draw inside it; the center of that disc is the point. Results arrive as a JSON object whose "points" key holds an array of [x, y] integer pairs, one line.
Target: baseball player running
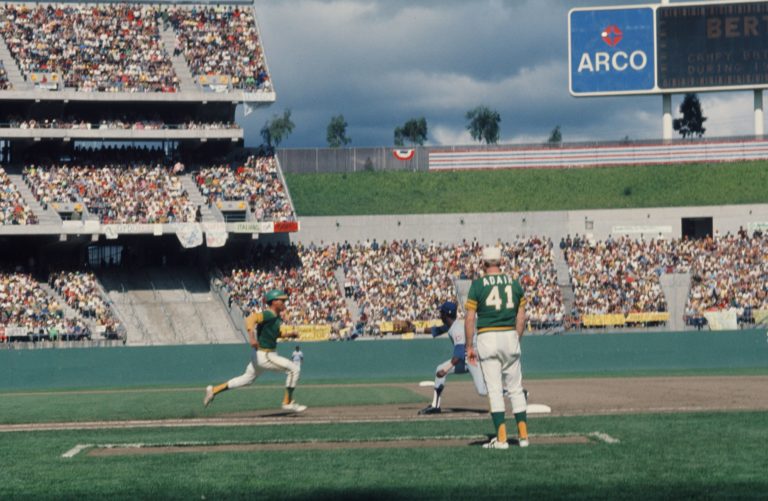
{"points": [[457, 363], [497, 303], [267, 325]]}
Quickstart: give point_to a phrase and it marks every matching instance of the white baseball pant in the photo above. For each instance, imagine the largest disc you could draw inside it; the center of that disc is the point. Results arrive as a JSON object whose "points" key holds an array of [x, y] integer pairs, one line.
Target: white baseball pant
{"points": [[462, 368], [267, 361], [499, 356]]}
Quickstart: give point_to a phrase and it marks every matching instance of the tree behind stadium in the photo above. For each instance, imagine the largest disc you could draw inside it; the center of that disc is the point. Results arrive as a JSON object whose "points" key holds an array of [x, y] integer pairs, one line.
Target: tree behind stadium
{"points": [[484, 124], [336, 133], [277, 129], [692, 122], [414, 131], [555, 137]]}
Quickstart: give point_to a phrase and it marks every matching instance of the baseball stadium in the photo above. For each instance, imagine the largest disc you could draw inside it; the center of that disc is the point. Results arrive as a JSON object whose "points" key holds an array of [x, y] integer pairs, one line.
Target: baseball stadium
{"points": [[188, 314]]}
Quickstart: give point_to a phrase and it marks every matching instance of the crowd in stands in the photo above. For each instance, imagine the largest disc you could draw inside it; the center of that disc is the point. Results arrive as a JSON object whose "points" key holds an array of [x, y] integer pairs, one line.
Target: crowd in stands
{"points": [[392, 281], [23, 303], [82, 292], [29, 313], [141, 193], [257, 182], [306, 273], [5, 84], [221, 40], [13, 209], [93, 47], [728, 272], [117, 124], [408, 280], [400, 280], [619, 275]]}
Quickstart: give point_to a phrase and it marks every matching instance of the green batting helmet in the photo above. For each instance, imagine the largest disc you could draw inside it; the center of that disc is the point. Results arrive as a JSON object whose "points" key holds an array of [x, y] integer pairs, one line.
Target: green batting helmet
{"points": [[276, 294]]}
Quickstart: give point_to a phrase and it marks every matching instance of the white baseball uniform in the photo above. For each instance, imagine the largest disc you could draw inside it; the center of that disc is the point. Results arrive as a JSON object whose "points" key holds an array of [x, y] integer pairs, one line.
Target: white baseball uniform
{"points": [[458, 340]]}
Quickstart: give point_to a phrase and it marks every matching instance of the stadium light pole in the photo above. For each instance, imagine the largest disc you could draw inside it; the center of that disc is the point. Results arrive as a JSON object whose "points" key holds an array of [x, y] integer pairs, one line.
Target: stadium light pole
{"points": [[666, 109]]}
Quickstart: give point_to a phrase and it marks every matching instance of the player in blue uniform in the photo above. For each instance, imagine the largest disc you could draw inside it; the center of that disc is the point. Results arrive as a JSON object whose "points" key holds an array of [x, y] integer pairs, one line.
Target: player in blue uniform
{"points": [[457, 363]]}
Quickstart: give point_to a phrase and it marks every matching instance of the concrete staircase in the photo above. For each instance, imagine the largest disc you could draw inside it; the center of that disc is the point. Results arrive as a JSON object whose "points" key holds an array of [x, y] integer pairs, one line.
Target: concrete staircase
{"points": [[46, 216], [69, 312], [564, 280], [186, 81], [171, 305], [210, 214], [12, 69], [462, 291], [676, 287], [352, 307]]}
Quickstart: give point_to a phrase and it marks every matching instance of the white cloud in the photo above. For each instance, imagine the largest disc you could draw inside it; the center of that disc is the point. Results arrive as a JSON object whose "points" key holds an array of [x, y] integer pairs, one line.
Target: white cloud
{"points": [[728, 114], [382, 62], [443, 135]]}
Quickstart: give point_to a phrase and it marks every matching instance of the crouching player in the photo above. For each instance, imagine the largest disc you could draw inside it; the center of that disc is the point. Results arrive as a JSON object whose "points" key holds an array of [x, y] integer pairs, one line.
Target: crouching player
{"points": [[267, 325], [457, 364]]}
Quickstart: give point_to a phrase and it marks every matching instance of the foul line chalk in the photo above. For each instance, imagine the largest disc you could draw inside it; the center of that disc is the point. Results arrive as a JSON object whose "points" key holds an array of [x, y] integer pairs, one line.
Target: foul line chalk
{"points": [[74, 451], [604, 437]]}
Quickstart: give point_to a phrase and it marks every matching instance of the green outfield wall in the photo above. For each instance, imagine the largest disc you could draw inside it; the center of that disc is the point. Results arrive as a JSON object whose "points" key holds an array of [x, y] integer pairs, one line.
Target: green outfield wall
{"points": [[610, 354]]}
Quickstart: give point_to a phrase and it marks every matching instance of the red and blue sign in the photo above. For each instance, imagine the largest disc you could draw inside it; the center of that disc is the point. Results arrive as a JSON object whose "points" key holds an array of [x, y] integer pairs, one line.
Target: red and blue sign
{"points": [[612, 51]]}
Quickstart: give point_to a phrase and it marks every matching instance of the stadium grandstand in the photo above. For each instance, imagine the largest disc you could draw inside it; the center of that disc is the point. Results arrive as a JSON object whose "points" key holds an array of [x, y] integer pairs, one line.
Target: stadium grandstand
{"points": [[131, 212], [123, 174]]}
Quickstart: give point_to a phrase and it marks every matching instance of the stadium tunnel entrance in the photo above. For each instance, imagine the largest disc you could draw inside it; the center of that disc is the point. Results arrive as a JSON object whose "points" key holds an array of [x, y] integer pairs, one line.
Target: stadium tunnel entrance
{"points": [[697, 227]]}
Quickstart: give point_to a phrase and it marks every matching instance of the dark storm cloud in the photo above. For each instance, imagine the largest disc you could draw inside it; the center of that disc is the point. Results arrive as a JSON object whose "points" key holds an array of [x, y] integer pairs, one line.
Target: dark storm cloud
{"points": [[381, 62]]}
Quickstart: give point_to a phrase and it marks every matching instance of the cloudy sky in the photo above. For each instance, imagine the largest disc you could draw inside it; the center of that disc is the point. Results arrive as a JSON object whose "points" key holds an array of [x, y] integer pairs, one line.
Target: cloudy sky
{"points": [[381, 62]]}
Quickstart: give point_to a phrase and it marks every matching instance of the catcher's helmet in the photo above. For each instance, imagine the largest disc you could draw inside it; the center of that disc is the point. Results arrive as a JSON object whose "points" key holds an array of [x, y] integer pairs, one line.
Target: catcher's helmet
{"points": [[449, 308]]}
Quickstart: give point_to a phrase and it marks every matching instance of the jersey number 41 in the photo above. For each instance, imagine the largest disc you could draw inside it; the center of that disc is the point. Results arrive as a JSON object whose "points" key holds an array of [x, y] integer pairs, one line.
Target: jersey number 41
{"points": [[494, 298]]}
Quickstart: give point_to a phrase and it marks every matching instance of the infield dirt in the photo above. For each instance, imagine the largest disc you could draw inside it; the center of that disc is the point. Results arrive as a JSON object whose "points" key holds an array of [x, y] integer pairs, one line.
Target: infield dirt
{"points": [[566, 397]]}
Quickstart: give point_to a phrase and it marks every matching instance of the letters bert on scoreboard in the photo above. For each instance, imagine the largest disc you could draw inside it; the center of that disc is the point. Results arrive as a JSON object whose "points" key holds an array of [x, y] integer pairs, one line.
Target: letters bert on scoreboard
{"points": [[713, 46]]}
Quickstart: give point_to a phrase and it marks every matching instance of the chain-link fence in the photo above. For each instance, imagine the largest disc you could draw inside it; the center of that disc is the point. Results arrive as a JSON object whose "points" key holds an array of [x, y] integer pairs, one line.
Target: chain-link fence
{"points": [[311, 160]]}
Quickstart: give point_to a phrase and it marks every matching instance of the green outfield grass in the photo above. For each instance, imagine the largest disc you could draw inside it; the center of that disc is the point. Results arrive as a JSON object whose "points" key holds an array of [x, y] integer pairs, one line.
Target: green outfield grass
{"points": [[181, 403], [673, 456], [528, 189]]}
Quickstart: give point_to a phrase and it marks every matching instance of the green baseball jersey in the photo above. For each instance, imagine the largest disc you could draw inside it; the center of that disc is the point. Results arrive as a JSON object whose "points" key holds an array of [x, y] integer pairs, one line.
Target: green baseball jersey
{"points": [[496, 299], [267, 328]]}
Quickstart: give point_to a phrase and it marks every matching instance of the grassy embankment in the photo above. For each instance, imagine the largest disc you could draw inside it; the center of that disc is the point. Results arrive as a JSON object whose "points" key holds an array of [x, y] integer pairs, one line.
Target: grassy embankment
{"points": [[366, 193]]}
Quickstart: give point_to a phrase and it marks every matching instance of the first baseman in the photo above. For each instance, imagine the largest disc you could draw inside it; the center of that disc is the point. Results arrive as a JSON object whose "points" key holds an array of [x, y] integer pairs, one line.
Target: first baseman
{"points": [[457, 364], [497, 303], [267, 326]]}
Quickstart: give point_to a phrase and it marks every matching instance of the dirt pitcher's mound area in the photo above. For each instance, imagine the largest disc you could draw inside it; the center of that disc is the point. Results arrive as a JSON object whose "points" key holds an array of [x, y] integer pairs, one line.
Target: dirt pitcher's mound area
{"points": [[303, 446]]}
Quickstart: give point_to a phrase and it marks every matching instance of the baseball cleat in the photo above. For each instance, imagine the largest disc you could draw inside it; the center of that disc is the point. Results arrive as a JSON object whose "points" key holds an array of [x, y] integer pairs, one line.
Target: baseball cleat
{"points": [[294, 407], [523, 442], [495, 444], [209, 395], [430, 410]]}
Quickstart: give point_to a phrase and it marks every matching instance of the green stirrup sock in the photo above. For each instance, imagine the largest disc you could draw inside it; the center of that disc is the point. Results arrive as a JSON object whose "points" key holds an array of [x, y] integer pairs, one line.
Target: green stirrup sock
{"points": [[498, 419]]}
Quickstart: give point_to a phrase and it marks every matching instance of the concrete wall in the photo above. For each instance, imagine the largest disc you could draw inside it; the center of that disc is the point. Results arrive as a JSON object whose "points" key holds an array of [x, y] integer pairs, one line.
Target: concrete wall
{"points": [[488, 227], [363, 361]]}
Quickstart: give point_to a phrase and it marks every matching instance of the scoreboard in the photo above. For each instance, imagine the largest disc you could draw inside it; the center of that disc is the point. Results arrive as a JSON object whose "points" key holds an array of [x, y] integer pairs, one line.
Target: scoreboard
{"points": [[717, 45], [686, 47]]}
